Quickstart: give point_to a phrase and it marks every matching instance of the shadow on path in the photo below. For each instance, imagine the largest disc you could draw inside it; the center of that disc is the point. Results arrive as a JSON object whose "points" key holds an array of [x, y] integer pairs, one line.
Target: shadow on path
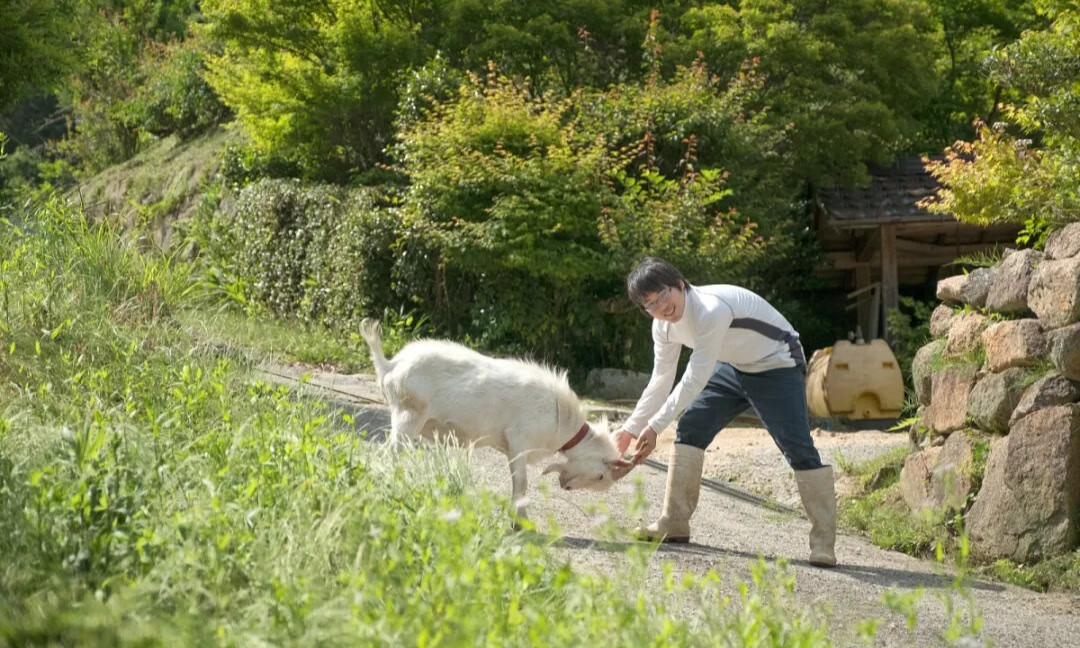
{"points": [[880, 576]]}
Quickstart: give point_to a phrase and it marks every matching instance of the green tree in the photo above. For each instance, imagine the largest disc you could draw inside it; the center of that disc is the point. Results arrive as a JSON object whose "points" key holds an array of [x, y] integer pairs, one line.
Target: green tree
{"points": [[118, 60], [555, 43], [1026, 173], [314, 81], [537, 206], [970, 30], [36, 45], [847, 78], [318, 82]]}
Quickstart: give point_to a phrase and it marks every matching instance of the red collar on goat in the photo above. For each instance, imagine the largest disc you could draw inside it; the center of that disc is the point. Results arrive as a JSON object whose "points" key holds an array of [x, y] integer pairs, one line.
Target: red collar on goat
{"points": [[577, 438]]}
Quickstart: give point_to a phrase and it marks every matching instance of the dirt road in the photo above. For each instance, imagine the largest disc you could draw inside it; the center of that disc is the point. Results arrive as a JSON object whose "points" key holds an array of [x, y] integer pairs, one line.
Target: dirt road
{"points": [[732, 532]]}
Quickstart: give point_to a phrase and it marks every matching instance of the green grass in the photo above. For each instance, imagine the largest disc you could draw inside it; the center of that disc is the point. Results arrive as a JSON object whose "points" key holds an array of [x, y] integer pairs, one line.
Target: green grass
{"points": [[162, 181], [1036, 372], [981, 259], [880, 512], [973, 359], [1056, 574], [880, 472], [885, 518], [154, 492], [263, 339]]}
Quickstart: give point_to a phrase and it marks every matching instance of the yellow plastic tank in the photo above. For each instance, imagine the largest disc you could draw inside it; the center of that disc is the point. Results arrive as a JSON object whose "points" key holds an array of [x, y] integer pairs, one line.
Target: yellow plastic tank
{"points": [[855, 380]]}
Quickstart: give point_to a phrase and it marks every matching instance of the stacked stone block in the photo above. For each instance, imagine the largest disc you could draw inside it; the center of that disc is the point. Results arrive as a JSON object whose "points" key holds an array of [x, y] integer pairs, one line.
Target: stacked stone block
{"points": [[1002, 370]]}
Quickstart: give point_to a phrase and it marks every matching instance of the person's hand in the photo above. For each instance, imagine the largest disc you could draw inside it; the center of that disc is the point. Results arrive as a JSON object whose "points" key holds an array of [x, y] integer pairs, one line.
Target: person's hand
{"points": [[646, 443], [622, 441]]}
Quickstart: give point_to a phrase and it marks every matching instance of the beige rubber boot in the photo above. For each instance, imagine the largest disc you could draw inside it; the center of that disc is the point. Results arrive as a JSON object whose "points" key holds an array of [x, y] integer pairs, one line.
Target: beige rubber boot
{"points": [[680, 498], [819, 499]]}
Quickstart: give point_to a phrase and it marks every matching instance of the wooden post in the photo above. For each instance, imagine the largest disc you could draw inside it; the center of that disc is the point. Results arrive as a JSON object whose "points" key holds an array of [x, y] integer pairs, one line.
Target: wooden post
{"points": [[862, 280], [890, 282]]}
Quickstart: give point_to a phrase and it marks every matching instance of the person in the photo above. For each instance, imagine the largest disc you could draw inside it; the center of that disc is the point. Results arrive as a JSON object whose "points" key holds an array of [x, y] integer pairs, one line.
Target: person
{"points": [[745, 355]]}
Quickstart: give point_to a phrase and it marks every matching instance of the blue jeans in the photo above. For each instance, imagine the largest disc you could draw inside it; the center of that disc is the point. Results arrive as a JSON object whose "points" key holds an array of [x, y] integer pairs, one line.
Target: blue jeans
{"points": [[778, 396]]}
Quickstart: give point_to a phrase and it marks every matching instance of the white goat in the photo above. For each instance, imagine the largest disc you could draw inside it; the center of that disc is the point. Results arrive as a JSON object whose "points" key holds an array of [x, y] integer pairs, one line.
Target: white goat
{"points": [[437, 388]]}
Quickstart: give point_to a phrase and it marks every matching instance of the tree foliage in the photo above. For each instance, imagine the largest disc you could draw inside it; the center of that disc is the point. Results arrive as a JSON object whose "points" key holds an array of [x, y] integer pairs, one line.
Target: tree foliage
{"points": [[313, 81], [1028, 173], [537, 205], [970, 30], [35, 46], [319, 82], [846, 78]]}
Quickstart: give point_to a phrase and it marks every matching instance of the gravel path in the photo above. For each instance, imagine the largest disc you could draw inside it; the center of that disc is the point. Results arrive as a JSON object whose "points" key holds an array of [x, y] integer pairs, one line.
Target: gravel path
{"points": [[730, 533]]}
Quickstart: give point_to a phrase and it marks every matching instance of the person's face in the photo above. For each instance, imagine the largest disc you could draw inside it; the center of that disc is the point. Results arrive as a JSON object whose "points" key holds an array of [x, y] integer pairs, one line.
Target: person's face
{"points": [[667, 305]]}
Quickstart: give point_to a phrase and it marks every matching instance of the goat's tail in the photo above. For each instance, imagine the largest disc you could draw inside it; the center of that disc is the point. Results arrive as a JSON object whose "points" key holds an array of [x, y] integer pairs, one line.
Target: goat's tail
{"points": [[369, 330]]}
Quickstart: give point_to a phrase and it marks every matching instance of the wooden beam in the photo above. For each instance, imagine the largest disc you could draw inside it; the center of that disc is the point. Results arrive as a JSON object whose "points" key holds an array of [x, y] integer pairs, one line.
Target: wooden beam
{"points": [[862, 280], [863, 223], [890, 282], [842, 260], [909, 254], [905, 246], [997, 231], [869, 246]]}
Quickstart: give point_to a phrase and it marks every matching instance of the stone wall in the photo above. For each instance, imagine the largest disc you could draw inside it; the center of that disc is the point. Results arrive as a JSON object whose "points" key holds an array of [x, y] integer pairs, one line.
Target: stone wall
{"points": [[999, 376]]}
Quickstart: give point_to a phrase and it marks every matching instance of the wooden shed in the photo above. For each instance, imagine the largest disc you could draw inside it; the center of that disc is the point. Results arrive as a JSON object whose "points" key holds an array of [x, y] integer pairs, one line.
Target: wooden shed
{"points": [[880, 243]]}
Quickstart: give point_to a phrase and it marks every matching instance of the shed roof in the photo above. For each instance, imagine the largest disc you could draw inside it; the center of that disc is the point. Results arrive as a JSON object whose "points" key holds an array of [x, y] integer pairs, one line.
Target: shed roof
{"points": [[891, 196]]}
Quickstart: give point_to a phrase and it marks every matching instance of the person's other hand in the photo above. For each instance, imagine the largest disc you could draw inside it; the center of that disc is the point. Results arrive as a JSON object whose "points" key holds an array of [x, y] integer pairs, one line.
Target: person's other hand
{"points": [[622, 441], [646, 443]]}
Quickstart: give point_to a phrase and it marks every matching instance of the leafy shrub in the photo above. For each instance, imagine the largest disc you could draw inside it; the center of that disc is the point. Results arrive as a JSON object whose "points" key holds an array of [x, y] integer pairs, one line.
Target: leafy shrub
{"points": [[319, 254], [537, 212], [282, 225], [243, 164], [175, 97]]}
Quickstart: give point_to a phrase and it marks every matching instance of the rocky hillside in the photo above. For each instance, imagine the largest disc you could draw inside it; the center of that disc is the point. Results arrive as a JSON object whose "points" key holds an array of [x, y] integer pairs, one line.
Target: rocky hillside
{"points": [[158, 186]]}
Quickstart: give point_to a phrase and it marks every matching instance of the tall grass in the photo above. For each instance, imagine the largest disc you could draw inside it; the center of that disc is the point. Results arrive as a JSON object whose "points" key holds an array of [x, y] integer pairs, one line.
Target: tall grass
{"points": [[151, 494], [154, 492]]}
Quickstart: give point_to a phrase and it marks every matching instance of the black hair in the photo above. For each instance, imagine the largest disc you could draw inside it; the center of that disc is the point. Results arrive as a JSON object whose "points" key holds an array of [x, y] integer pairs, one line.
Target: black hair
{"points": [[650, 276]]}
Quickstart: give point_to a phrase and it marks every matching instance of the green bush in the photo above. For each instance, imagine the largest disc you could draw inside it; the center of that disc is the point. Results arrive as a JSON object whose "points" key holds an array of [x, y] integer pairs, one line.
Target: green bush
{"points": [[175, 97], [318, 254], [282, 227], [537, 209]]}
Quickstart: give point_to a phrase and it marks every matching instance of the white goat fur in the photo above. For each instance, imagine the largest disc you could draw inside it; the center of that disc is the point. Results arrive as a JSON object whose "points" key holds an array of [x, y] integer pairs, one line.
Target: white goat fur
{"points": [[524, 409]]}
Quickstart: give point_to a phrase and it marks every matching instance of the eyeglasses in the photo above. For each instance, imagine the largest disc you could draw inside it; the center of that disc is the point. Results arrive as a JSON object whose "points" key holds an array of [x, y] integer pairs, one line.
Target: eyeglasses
{"points": [[661, 299]]}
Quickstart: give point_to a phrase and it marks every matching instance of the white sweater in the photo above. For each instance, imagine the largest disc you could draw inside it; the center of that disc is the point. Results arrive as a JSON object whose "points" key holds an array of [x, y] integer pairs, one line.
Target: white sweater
{"points": [[720, 323]]}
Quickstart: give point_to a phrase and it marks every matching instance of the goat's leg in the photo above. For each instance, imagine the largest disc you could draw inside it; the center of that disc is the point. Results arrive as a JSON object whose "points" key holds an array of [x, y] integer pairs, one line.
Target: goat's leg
{"points": [[519, 478]]}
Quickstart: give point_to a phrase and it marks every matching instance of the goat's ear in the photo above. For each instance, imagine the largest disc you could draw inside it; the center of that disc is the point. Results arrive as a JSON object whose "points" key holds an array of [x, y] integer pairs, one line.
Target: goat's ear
{"points": [[619, 468], [555, 468]]}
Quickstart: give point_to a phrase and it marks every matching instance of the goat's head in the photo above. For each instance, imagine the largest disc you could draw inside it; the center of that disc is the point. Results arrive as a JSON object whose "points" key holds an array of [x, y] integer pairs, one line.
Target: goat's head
{"points": [[593, 464]]}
